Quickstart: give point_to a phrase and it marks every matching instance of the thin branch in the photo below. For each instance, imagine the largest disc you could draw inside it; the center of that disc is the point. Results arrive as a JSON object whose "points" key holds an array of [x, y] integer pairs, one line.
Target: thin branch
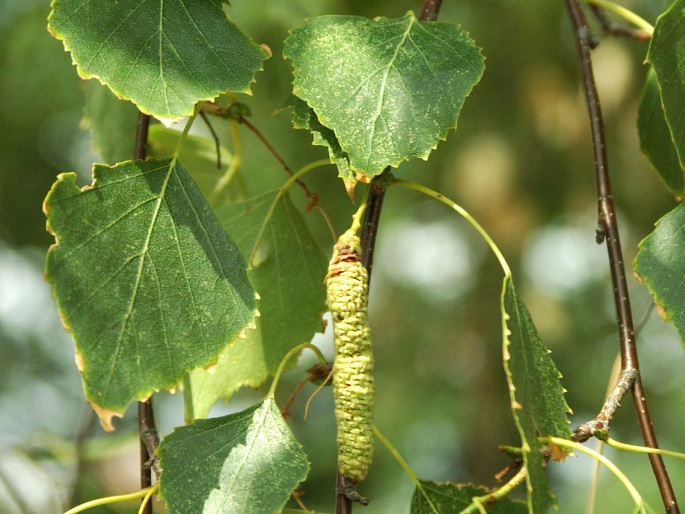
{"points": [[630, 369], [372, 216], [146, 419]]}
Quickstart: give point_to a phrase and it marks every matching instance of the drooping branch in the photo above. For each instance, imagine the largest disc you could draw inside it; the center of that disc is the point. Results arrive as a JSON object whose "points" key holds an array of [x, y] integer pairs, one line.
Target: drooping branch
{"points": [[146, 419], [372, 216], [629, 378]]}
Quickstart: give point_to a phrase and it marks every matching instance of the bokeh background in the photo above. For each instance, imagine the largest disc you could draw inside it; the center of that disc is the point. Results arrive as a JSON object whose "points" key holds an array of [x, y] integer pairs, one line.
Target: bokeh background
{"points": [[520, 162]]}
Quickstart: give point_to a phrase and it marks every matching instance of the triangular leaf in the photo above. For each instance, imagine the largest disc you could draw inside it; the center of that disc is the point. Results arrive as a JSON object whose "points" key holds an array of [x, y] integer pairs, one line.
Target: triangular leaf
{"points": [[537, 397], [390, 89], [146, 279], [656, 140], [660, 266], [304, 117], [163, 56], [199, 156], [447, 498], [667, 55], [112, 123], [288, 274], [247, 462]]}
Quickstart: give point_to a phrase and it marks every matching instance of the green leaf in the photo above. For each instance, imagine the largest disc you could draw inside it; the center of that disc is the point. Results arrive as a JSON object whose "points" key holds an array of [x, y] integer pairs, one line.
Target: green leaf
{"points": [[287, 272], [304, 117], [448, 498], [537, 397], [163, 56], [659, 265], [390, 89], [146, 279], [112, 123], [247, 462], [667, 55], [656, 140], [200, 158]]}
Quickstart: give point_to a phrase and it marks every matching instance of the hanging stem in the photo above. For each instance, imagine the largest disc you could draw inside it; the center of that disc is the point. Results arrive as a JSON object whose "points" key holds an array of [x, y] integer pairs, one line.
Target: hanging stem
{"points": [[146, 419], [462, 212], [645, 29], [374, 205], [608, 230]]}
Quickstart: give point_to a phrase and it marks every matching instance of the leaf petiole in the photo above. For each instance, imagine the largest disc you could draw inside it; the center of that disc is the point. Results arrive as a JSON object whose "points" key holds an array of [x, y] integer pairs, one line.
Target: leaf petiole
{"points": [[282, 191], [565, 443], [624, 13], [640, 449], [143, 493], [463, 213], [404, 465], [286, 359]]}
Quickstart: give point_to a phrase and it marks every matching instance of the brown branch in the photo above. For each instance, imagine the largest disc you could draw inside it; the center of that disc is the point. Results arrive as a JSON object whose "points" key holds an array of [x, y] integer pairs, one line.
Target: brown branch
{"points": [[608, 230], [146, 419], [372, 216]]}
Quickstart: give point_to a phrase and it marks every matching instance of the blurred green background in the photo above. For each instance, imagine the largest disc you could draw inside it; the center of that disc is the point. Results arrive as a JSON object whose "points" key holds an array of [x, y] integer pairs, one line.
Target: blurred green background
{"points": [[520, 162]]}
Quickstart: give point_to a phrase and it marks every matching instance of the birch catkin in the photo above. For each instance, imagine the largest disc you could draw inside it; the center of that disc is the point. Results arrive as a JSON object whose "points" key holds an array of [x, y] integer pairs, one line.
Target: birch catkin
{"points": [[347, 285]]}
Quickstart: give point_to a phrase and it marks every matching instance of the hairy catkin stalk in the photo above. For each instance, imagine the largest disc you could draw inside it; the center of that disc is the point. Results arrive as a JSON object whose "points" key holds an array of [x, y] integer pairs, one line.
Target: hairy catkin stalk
{"points": [[347, 286]]}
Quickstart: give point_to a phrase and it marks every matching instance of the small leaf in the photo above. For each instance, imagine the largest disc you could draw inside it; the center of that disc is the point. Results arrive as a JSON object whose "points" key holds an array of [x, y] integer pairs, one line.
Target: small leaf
{"points": [[289, 280], [247, 462], [660, 266], [304, 117], [199, 156], [537, 397], [146, 279], [656, 140], [112, 123], [448, 498], [163, 56], [390, 89], [667, 55]]}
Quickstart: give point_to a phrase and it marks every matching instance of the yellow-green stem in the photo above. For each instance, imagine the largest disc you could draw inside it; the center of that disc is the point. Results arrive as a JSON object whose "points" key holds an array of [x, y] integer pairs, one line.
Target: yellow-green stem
{"points": [[624, 13], [565, 443], [288, 356], [114, 499], [462, 212], [282, 191]]}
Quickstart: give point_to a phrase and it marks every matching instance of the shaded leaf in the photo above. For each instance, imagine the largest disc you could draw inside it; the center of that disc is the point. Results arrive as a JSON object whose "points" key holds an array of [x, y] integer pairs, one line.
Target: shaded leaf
{"points": [[247, 462], [656, 140], [146, 279], [163, 56], [390, 89], [304, 117], [199, 157], [112, 123], [659, 265], [288, 274], [448, 498], [667, 56], [537, 397]]}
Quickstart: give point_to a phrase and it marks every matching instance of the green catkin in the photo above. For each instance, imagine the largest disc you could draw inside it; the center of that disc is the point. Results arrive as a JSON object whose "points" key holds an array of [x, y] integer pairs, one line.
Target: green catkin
{"points": [[347, 285]]}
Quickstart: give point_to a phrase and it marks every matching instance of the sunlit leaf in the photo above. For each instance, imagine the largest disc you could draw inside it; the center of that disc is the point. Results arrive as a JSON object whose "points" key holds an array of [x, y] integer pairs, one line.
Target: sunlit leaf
{"points": [[537, 397], [390, 89], [247, 462], [447, 498], [667, 56], [660, 266], [146, 279], [163, 56], [287, 272], [656, 140]]}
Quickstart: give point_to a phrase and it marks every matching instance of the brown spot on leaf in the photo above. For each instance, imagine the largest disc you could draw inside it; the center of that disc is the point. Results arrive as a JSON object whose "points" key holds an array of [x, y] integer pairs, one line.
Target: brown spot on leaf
{"points": [[105, 416], [558, 454], [661, 310]]}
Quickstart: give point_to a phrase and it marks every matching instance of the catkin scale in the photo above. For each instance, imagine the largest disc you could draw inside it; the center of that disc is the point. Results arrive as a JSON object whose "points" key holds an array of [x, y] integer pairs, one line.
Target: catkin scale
{"points": [[347, 285]]}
